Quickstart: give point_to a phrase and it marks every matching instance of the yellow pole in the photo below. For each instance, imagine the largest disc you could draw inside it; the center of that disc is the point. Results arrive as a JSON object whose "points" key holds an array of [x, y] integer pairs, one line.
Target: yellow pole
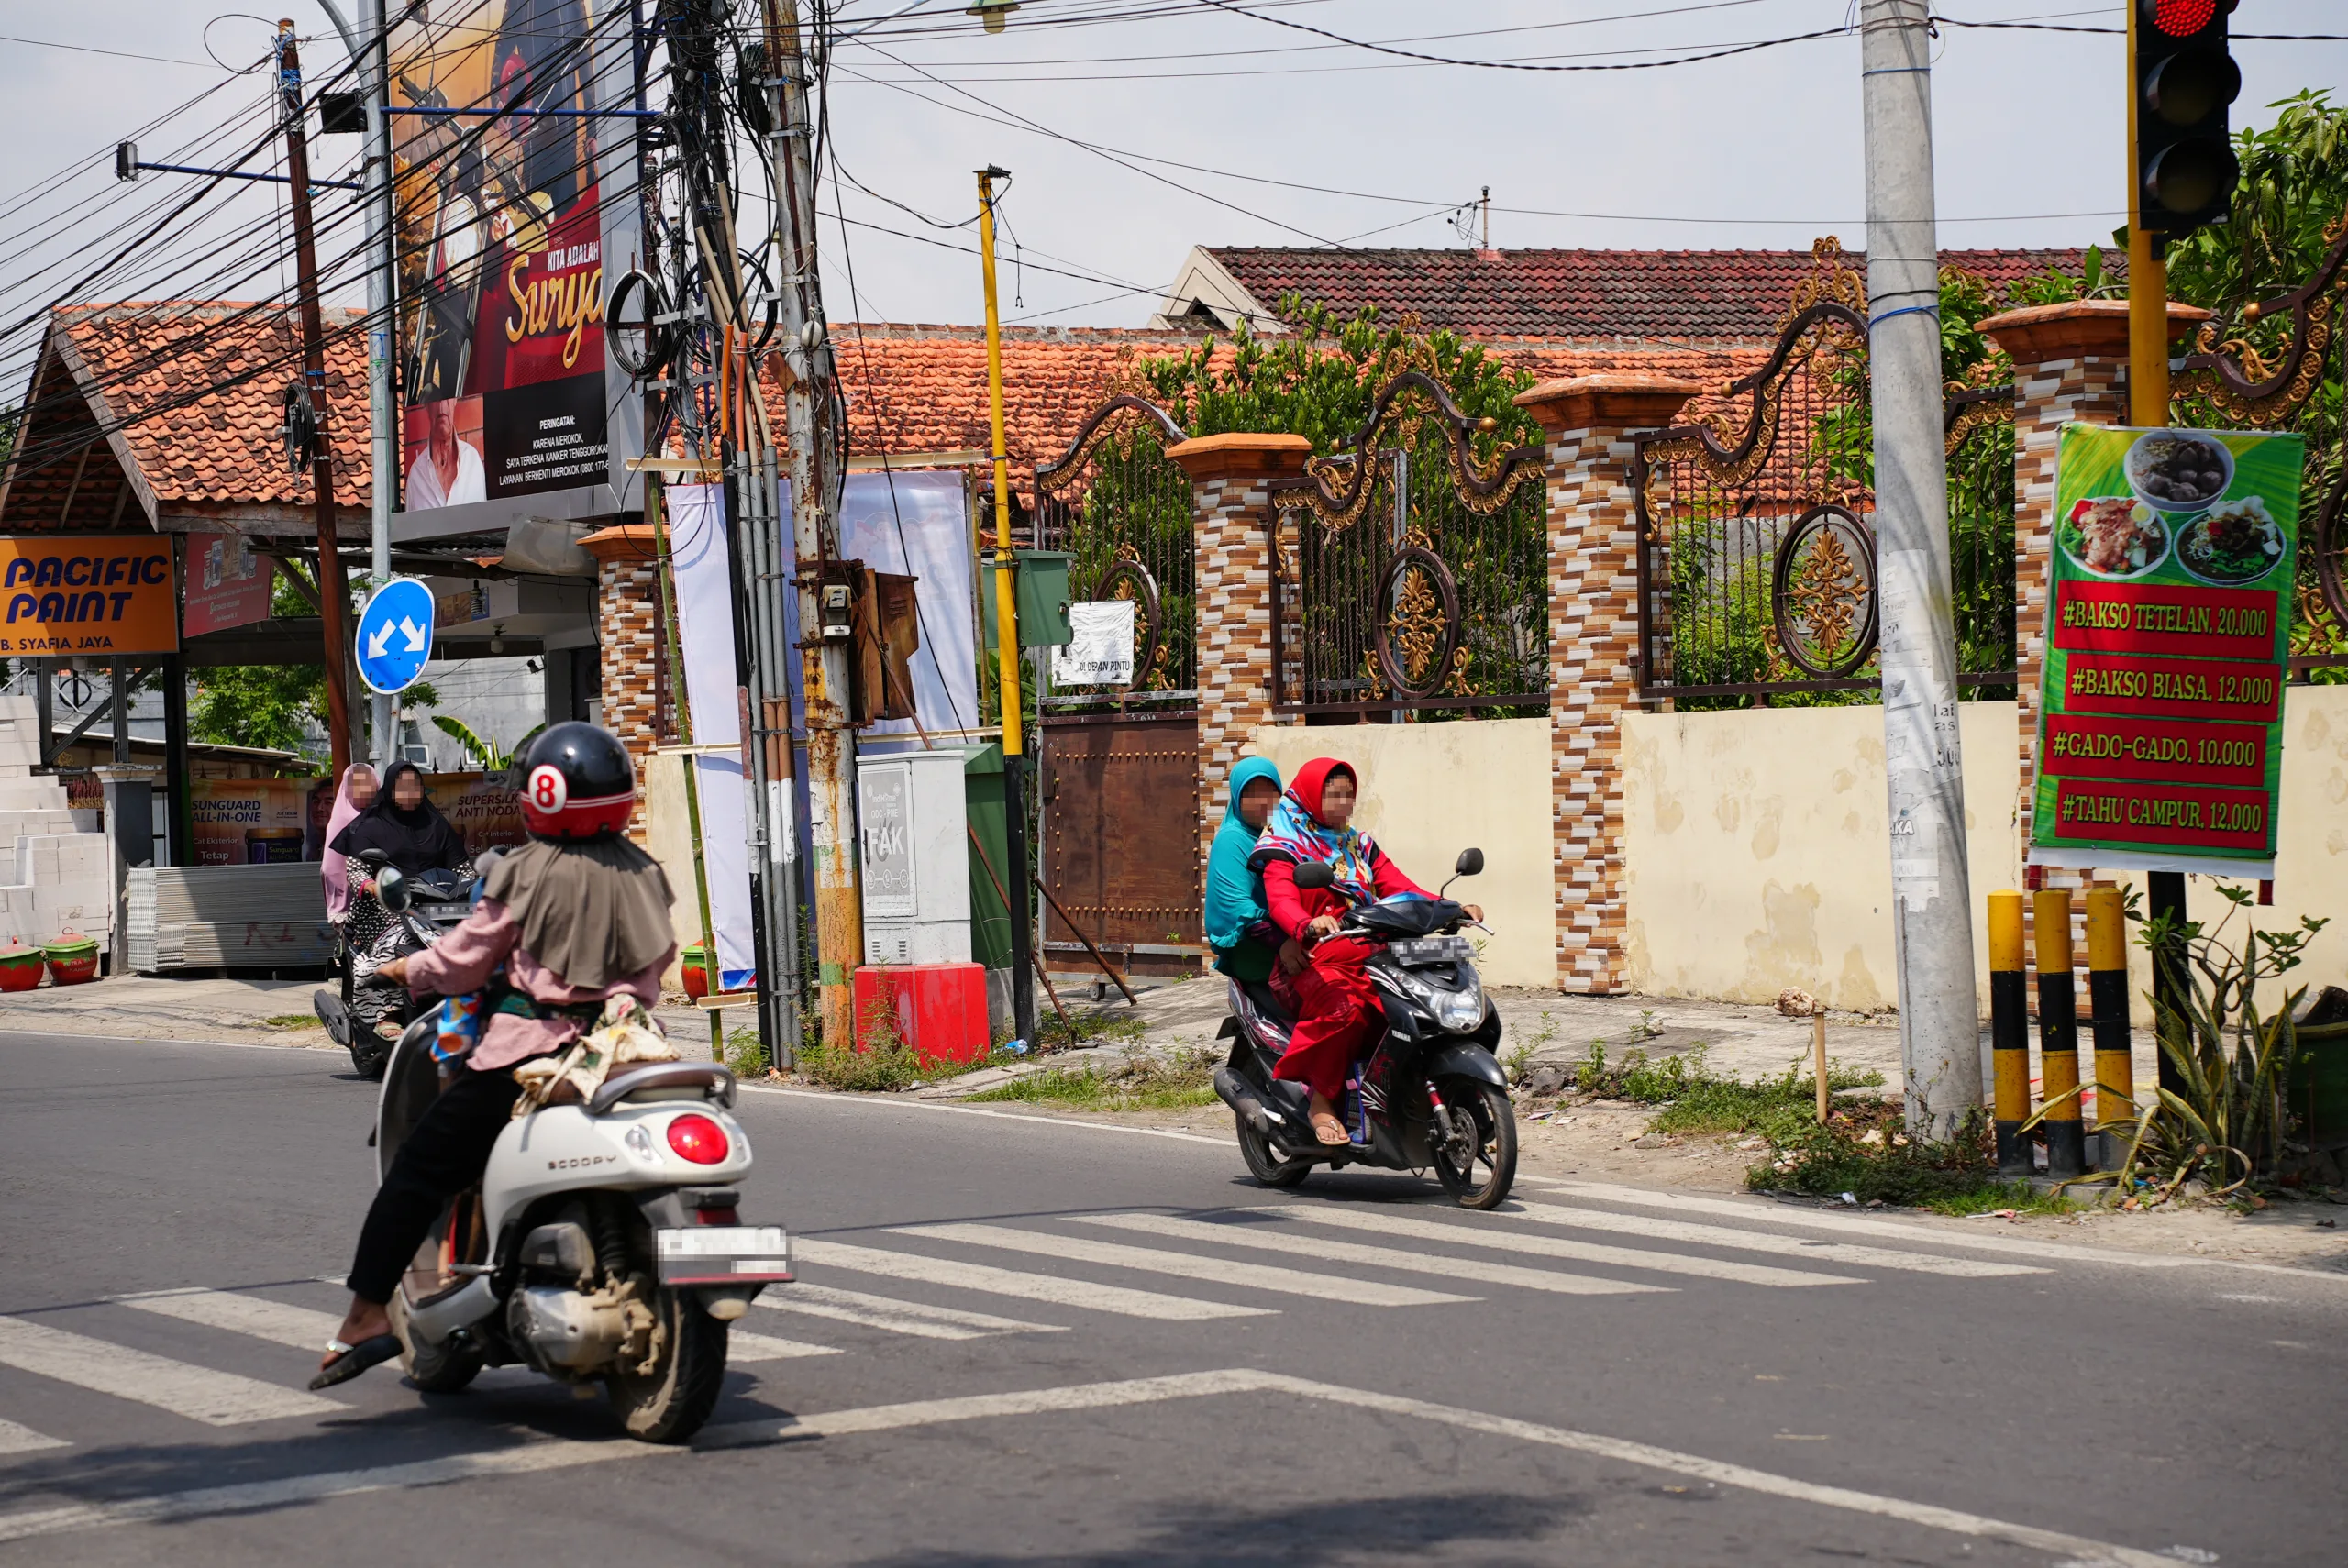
{"points": [[2008, 1032], [1006, 621], [2147, 283], [2115, 1073], [2058, 1034]]}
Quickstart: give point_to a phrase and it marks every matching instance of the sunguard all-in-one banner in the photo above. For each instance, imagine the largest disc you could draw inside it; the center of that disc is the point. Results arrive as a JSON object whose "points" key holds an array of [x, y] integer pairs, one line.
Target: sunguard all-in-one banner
{"points": [[2169, 634], [503, 231]]}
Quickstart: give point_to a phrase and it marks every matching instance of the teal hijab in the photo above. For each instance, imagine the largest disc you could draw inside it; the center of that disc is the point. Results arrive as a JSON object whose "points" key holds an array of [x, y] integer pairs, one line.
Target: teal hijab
{"points": [[1235, 893]]}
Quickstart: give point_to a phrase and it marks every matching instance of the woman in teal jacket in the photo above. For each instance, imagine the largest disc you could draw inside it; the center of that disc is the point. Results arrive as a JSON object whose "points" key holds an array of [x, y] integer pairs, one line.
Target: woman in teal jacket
{"points": [[1247, 945]]}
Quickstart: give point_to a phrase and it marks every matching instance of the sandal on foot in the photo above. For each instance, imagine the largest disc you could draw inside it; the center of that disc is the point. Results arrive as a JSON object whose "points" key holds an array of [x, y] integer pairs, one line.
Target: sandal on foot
{"points": [[1324, 1125], [350, 1361]]}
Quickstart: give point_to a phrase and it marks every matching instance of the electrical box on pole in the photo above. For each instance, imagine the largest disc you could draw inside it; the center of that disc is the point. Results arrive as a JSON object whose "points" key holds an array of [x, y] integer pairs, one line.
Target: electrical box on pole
{"points": [[2185, 82]]}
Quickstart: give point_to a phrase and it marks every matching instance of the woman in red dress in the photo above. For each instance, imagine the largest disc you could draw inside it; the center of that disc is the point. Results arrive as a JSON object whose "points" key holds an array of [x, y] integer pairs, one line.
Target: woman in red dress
{"points": [[1337, 1009]]}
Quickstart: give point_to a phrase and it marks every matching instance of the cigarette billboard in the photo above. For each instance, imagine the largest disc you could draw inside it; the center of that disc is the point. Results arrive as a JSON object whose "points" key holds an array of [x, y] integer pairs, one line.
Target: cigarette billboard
{"points": [[517, 208]]}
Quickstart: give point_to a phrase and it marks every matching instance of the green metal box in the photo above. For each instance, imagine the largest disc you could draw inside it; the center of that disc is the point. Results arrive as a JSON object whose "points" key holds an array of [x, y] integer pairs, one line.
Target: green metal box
{"points": [[1041, 583]]}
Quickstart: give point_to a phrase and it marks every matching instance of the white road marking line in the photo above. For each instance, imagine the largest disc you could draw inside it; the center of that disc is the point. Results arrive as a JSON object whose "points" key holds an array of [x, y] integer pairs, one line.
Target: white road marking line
{"points": [[215, 1398], [1763, 1242], [935, 1107], [1186, 1265], [1260, 1235], [1031, 1287], [1466, 1235], [14, 1439], [1813, 1220], [914, 1318], [743, 1345], [276, 1321], [538, 1456]]}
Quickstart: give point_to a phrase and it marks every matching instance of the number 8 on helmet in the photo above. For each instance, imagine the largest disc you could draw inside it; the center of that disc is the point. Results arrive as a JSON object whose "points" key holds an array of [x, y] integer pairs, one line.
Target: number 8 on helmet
{"points": [[577, 782]]}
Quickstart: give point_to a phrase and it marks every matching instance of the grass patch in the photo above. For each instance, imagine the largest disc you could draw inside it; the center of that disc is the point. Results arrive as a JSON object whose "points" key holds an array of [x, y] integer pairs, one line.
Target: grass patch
{"points": [[1141, 1083], [1085, 1028], [1694, 1099], [2018, 1195], [291, 1021], [1864, 1150]]}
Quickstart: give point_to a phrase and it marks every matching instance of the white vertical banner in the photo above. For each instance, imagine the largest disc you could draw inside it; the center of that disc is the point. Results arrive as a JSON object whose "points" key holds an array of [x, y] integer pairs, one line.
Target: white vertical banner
{"points": [[703, 566], [918, 522]]}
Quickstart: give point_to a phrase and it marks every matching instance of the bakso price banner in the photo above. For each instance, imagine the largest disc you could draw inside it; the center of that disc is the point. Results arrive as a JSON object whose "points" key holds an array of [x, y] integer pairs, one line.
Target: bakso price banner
{"points": [[2168, 628]]}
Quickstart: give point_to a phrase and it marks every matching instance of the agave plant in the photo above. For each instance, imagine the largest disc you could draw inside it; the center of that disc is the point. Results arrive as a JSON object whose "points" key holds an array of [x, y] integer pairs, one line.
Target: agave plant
{"points": [[2228, 1047]]}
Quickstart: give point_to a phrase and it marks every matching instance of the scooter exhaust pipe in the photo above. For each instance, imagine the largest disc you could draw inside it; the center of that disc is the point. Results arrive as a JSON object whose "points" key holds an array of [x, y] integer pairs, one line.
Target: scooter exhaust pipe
{"points": [[1240, 1095]]}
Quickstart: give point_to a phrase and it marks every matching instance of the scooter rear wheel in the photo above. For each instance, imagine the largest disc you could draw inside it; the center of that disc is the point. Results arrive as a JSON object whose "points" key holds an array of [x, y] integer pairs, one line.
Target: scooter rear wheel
{"points": [[1475, 1155], [1264, 1165], [669, 1402]]}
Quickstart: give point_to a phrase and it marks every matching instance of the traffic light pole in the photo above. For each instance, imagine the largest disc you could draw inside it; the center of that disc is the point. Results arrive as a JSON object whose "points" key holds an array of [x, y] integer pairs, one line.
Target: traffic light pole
{"points": [[1931, 901], [1006, 625], [334, 589], [2148, 406]]}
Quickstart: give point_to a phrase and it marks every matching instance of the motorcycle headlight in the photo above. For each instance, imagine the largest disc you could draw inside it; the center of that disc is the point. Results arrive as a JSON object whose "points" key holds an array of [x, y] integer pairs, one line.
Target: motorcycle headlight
{"points": [[1461, 1011]]}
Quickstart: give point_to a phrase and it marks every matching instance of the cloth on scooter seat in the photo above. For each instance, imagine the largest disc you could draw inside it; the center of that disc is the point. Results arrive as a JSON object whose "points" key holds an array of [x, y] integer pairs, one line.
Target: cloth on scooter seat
{"points": [[1269, 1004]]}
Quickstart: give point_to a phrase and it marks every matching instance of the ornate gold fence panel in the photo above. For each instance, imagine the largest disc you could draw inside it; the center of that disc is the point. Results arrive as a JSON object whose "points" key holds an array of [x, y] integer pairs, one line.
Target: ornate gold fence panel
{"points": [[1411, 577], [2280, 365], [1757, 570]]}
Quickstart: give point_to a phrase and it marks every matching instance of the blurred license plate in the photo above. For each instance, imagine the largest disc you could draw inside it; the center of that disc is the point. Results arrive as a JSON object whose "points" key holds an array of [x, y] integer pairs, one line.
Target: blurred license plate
{"points": [[1432, 950], [708, 1254]]}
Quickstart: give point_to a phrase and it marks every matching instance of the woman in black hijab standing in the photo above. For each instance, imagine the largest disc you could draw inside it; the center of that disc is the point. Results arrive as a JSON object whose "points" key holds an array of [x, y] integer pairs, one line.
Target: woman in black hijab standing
{"points": [[405, 826]]}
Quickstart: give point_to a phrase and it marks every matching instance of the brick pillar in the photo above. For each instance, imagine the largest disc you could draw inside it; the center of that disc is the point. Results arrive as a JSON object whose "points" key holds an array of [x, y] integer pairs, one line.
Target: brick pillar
{"points": [[1590, 422], [2070, 365], [1233, 566], [627, 635]]}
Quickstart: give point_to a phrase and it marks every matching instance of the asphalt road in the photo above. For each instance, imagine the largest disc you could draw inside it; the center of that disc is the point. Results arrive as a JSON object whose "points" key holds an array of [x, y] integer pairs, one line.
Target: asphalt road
{"points": [[1607, 1386]]}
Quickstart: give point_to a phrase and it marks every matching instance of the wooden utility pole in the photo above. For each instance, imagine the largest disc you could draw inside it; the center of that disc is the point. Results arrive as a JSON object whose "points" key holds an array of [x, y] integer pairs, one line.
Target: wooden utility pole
{"points": [[334, 587]]}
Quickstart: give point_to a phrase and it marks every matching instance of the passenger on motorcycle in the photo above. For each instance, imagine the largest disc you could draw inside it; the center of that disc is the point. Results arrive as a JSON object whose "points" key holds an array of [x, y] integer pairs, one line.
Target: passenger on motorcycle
{"points": [[1247, 945], [577, 916], [1337, 1009]]}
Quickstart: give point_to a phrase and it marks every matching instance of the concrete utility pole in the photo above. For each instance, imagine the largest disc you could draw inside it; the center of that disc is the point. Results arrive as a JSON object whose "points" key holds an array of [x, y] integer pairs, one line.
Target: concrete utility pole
{"points": [[815, 537], [371, 53], [1931, 896], [334, 589]]}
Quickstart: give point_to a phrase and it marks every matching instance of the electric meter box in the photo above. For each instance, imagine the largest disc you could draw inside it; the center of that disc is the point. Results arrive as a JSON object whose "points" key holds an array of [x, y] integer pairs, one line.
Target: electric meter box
{"points": [[912, 826], [1039, 597]]}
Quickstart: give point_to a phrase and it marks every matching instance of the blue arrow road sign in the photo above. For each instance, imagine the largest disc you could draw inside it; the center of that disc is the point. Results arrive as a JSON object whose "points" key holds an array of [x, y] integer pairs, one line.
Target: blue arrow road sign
{"points": [[396, 635]]}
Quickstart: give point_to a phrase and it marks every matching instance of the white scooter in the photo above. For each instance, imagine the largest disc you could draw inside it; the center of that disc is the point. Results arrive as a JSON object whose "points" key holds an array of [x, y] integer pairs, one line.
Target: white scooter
{"points": [[602, 1244]]}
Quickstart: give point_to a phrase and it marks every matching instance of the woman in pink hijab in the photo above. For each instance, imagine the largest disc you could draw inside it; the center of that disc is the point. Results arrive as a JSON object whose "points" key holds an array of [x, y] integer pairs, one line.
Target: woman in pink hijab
{"points": [[355, 794]]}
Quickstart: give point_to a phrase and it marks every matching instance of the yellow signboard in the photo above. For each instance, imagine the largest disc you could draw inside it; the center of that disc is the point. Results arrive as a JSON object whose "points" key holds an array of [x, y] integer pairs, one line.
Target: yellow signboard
{"points": [[65, 593]]}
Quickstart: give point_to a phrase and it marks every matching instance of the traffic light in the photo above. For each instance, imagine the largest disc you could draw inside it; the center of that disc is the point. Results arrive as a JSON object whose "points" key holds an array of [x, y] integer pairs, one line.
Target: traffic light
{"points": [[2185, 167]]}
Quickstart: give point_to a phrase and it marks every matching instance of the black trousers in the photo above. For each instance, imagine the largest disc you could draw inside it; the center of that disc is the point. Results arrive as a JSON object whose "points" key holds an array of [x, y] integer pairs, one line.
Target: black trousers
{"points": [[444, 1155]]}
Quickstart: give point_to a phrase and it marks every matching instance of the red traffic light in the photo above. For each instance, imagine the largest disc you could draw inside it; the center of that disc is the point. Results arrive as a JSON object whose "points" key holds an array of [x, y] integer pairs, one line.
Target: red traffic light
{"points": [[2183, 19]]}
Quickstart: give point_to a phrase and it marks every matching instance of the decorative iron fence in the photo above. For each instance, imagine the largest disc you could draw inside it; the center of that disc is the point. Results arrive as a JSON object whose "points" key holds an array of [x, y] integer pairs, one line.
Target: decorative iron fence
{"points": [[1757, 570], [1410, 572], [2281, 365], [1123, 509]]}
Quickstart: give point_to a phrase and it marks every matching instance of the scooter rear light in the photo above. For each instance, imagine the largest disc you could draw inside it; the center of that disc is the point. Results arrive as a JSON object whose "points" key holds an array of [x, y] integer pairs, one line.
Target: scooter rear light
{"points": [[698, 1138]]}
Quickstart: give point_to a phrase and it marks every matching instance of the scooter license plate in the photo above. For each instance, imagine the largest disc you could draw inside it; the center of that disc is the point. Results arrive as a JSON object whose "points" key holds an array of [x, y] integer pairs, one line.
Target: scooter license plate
{"points": [[723, 1254], [1432, 950]]}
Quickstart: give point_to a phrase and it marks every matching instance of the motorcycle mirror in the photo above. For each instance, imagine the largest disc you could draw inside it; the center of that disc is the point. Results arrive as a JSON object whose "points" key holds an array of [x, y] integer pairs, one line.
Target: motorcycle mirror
{"points": [[392, 889], [374, 859], [1316, 874], [1471, 864]]}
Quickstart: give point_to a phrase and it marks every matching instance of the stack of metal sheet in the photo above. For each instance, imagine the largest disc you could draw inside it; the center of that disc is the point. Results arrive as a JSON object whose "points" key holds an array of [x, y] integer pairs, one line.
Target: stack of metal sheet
{"points": [[233, 917]]}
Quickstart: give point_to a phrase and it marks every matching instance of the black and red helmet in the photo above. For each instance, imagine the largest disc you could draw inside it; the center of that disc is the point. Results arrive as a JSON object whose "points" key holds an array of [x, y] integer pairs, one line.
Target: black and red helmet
{"points": [[577, 782]]}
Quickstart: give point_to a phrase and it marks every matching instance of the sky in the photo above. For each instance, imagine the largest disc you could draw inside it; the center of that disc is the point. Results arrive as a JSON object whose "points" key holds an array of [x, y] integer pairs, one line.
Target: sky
{"points": [[1239, 114]]}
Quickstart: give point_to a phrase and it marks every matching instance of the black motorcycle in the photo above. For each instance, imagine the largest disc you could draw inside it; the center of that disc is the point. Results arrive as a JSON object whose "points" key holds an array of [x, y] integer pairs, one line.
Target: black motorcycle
{"points": [[1430, 1092], [391, 915]]}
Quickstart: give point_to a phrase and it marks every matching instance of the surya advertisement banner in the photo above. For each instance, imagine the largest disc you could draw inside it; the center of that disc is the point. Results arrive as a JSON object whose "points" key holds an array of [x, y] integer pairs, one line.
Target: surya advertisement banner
{"points": [[2167, 646]]}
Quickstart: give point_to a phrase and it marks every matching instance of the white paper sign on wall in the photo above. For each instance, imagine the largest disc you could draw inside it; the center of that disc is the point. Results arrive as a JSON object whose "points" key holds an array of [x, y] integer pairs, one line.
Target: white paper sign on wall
{"points": [[1101, 652]]}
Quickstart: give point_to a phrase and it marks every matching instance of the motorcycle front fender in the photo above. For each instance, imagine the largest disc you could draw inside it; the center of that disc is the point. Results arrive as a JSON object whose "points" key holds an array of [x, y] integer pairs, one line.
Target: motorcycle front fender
{"points": [[1464, 1059]]}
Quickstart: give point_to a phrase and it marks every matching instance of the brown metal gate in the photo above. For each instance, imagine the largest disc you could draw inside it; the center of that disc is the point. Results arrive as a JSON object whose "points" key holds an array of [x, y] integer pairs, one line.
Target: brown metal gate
{"points": [[1121, 839]]}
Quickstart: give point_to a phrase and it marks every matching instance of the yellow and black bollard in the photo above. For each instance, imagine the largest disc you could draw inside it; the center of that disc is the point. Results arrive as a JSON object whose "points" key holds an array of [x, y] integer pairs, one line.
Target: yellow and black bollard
{"points": [[2058, 1036], [2009, 1032], [2115, 1077]]}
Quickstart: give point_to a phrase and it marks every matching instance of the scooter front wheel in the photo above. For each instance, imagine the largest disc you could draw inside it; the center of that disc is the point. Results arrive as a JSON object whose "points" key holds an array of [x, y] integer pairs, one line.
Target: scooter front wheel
{"points": [[1474, 1140], [433, 1369], [1265, 1165]]}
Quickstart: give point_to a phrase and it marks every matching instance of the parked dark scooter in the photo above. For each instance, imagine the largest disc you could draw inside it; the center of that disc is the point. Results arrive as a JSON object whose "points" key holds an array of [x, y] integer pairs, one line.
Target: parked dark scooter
{"points": [[1430, 1092]]}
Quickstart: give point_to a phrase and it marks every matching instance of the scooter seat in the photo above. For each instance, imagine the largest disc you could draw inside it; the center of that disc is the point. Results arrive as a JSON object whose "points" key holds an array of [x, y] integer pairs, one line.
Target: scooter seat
{"points": [[1269, 1004]]}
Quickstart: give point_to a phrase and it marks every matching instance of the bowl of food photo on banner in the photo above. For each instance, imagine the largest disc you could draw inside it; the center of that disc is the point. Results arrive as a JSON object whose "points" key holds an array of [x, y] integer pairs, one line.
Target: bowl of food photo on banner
{"points": [[2234, 542], [2179, 471], [2114, 537]]}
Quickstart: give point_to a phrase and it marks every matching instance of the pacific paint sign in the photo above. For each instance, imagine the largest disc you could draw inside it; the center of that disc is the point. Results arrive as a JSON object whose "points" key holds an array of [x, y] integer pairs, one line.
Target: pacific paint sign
{"points": [[64, 593]]}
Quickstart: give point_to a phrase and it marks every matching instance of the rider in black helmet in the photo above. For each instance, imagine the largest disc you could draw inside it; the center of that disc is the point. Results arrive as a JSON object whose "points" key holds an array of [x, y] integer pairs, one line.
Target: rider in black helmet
{"points": [[577, 916]]}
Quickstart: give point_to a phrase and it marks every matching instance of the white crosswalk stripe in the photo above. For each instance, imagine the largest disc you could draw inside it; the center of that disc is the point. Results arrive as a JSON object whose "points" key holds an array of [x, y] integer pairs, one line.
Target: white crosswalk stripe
{"points": [[916, 1318], [743, 1345], [215, 1398], [1853, 1224], [14, 1439], [1261, 1235], [276, 1321], [1031, 1287], [1762, 1241], [1469, 1234], [1186, 1265]]}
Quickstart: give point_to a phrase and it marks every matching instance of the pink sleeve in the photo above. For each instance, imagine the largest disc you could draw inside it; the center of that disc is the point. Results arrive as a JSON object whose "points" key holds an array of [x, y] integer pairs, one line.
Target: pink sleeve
{"points": [[464, 959], [1388, 879]]}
